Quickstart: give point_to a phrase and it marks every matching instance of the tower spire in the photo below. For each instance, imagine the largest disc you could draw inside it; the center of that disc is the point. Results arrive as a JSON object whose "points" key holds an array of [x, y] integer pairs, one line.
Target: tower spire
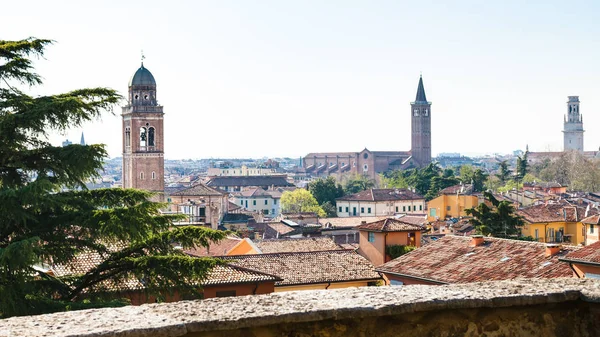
{"points": [[421, 91], [82, 141]]}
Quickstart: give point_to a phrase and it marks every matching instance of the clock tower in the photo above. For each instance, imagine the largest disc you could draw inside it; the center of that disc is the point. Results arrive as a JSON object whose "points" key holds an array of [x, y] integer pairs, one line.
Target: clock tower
{"points": [[143, 145], [421, 127]]}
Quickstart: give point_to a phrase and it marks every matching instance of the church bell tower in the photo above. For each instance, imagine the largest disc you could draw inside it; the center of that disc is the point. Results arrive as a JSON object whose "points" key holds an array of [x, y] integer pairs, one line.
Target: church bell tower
{"points": [[143, 145], [573, 126], [421, 127]]}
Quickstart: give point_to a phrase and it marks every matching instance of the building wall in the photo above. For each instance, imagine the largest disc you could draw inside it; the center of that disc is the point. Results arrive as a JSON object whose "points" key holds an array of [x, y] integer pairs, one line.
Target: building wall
{"points": [[240, 171], [263, 203], [574, 230], [450, 206], [406, 280], [591, 234], [243, 248], [215, 206], [372, 251], [333, 285], [380, 208]]}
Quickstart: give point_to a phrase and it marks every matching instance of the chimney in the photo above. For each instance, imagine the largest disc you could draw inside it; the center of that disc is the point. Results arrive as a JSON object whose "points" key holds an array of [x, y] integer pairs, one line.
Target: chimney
{"points": [[552, 249], [363, 222], [476, 240]]}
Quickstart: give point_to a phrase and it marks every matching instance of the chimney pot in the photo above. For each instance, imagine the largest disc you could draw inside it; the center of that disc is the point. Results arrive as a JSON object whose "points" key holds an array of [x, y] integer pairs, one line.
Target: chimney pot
{"points": [[363, 222], [552, 249], [476, 240]]}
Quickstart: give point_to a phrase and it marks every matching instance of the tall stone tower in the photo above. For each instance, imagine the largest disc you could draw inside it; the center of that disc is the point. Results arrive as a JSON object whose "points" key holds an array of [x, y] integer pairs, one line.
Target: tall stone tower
{"points": [[573, 126], [421, 127], [143, 143]]}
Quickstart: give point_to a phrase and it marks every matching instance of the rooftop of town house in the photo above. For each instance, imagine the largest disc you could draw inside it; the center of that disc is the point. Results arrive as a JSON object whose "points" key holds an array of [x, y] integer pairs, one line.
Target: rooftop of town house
{"points": [[383, 194], [453, 259], [587, 255], [199, 189], [389, 225], [222, 181], [290, 245], [299, 268], [534, 307], [555, 212]]}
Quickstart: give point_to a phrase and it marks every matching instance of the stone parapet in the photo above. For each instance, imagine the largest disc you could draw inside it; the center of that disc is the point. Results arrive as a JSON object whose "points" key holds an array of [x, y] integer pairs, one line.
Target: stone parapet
{"points": [[551, 307]]}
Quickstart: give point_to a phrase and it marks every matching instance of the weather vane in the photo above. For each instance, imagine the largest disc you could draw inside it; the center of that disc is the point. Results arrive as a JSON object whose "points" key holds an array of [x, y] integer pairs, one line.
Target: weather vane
{"points": [[143, 57]]}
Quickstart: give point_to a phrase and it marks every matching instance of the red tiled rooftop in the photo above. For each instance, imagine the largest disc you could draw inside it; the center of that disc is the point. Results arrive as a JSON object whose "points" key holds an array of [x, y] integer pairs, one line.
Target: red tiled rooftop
{"points": [[296, 245], [587, 254], [451, 259], [310, 267], [389, 225], [215, 249], [383, 194]]}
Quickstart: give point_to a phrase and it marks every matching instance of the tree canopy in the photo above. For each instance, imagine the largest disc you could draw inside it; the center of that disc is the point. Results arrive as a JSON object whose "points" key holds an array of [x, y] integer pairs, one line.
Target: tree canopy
{"points": [[48, 217], [358, 183], [495, 218], [300, 200], [325, 191]]}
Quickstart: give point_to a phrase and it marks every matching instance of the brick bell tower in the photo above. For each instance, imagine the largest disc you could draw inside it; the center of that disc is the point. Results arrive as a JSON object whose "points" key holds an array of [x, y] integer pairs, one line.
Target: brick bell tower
{"points": [[421, 127], [143, 142]]}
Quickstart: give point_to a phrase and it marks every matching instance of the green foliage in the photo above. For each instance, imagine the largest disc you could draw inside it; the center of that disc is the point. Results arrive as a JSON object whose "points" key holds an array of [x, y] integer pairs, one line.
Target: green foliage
{"points": [[41, 223], [329, 209], [574, 170], [522, 165], [427, 181], [300, 200], [395, 251], [476, 177], [358, 183], [498, 220], [326, 190], [503, 172]]}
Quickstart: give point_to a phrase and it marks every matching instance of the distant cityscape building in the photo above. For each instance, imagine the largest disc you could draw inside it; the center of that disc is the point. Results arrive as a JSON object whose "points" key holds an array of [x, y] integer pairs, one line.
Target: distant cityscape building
{"points": [[573, 126], [371, 163], [66, 142], [143, 145], [82, 140]]}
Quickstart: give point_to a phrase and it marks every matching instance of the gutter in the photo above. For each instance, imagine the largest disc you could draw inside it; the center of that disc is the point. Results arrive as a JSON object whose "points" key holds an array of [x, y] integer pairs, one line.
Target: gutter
{"points": [[595, 264], [328, 284]]}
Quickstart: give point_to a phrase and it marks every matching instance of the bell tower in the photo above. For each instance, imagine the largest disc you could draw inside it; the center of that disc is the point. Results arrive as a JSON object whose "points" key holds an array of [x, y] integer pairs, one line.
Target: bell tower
{"points": [[143, 144], [573, 126], [421, 127]]}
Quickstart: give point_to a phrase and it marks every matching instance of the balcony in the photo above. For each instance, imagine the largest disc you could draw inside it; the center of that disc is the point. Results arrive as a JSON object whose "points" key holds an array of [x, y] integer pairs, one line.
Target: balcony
{"points": [[534, 307]]}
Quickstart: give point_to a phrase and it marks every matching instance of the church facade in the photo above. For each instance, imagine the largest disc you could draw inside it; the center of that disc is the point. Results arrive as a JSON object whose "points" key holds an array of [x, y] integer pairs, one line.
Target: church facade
{"points": [[371, 163], [143, 136]]}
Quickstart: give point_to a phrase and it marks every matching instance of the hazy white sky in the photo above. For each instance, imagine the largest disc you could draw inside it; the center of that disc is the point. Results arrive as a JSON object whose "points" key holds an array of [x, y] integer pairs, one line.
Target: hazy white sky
{"points": [[285, 78]]}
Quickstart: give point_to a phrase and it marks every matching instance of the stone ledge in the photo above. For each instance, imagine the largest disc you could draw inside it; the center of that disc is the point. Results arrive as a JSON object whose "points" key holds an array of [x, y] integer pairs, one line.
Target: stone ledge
{"points": [[181, 318]]}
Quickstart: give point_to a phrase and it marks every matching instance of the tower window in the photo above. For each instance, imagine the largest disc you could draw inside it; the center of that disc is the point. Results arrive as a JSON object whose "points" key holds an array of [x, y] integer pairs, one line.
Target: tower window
{"points": [[127, 137], [143, 136], [145, 96], [153, 175], [151, 136], [136, 97], [142, 175]]}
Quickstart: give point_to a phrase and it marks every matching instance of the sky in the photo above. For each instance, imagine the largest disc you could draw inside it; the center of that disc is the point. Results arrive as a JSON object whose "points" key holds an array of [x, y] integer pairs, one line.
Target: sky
{"points": [[286, 78]]}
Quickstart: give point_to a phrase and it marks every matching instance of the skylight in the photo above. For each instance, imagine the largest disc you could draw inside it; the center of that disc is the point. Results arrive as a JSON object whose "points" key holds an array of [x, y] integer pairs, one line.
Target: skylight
{"points": [[469, 254], [547, 263], [504, 259]]}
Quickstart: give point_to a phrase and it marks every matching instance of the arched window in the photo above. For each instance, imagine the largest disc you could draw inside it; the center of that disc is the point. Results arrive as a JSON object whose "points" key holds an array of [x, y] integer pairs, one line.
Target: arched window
{"points": [[142, 175], [153, 175], [151, 136], [127, 137], [143, 136]]}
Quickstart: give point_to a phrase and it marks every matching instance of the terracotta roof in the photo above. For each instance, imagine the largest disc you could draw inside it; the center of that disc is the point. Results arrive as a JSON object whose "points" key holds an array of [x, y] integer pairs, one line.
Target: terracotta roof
{"points": [[310, 267], [224, 274], [232, 206], [587, 254], [296, 245], [349, 222], [554, 212], [280, 228], [389, 225], [381, 194], [452, 260], [414, 220], [460, 189], [199, 190], [592, 220], [222, 181], [215, 249]]}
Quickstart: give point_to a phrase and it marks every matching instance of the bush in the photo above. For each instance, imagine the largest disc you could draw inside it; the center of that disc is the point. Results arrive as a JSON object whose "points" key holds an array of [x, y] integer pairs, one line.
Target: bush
{"points": [[395, 251]]}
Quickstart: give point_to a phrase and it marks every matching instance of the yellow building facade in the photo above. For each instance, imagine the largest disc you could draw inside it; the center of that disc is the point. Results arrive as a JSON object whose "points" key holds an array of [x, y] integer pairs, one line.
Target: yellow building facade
{"points": [[450, 205], [555, 232]]}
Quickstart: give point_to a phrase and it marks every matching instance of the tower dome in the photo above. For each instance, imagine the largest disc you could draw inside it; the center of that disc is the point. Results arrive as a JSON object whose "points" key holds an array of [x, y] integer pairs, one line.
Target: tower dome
{"points": [[142, 76]]}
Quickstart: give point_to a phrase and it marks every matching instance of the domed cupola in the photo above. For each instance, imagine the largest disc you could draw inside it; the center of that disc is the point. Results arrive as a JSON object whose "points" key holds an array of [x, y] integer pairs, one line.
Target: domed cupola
{"points": [[142, 88], [143, 77]]}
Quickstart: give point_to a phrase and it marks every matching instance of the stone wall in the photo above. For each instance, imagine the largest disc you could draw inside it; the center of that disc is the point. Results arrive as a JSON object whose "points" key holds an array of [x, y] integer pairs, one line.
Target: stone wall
{"points": [[555, 307]]}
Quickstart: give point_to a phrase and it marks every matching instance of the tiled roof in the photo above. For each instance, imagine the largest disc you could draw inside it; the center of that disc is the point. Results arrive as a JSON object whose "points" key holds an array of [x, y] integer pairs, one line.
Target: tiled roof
{"points": [[310, 267], [224, 274], [383, 194], [232, 206], [589, 254], [554, 212], [248, 181], [452, 260], [259, 192], [389, 225], [349, 222], [592, 220], [215, 249], [199, 190], [280, 228], [414, 220], [460, 189], [296, 245]]}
